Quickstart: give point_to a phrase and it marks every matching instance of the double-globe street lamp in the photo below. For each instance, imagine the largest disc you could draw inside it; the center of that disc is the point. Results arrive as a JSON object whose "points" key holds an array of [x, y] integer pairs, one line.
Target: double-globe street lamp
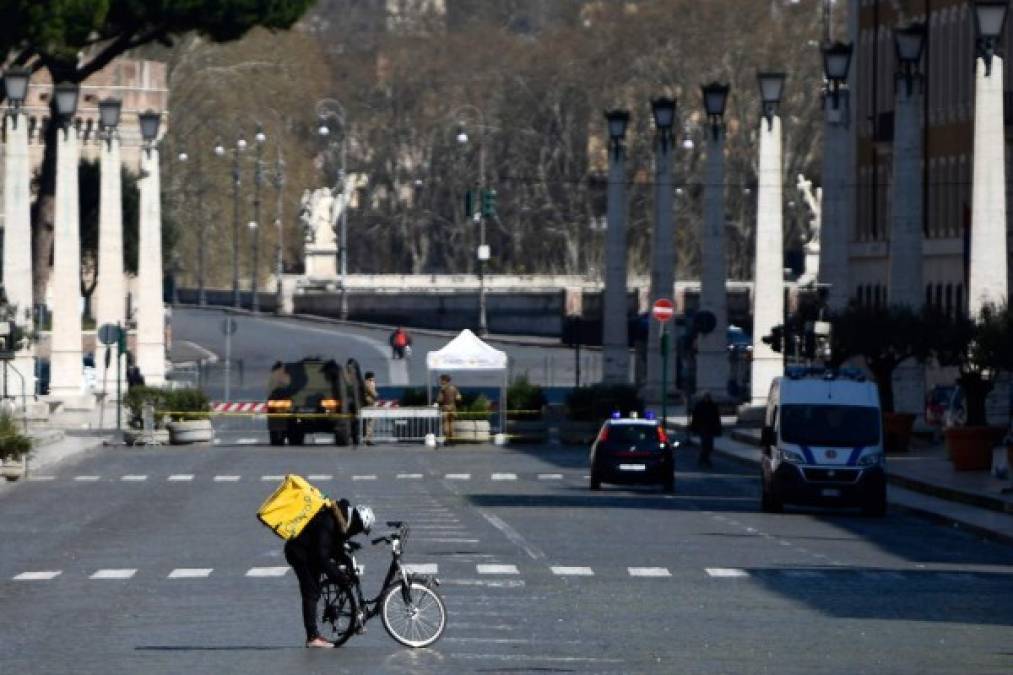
{"points": [[615, 353], [237, 150], [331, 113], [486, 206]]}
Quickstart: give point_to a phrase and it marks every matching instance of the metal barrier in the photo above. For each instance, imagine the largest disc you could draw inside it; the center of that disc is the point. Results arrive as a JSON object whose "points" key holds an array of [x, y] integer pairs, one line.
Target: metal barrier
{"points": [[399, 424]]}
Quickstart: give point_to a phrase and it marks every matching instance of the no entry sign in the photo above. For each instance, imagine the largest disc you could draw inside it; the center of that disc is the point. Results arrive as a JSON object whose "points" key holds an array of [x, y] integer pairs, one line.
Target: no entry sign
{"points": [[663, 310]]}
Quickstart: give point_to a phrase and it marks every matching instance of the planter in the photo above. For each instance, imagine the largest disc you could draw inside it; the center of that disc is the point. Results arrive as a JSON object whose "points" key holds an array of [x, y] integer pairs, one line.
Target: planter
{"points": [[474, 431], [527, 431], [190, 431], [13, 469], [897, 431], [138, 437], [970, 448]]}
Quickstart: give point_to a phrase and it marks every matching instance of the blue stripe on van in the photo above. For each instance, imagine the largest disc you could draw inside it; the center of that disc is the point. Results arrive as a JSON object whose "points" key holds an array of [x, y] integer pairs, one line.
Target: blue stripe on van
{"points": [[809, 458], [855, 454]]}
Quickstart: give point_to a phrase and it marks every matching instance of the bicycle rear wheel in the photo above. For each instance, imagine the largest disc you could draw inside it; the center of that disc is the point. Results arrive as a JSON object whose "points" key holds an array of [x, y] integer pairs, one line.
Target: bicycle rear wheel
{"points": [[420, 621], [338, 612]]}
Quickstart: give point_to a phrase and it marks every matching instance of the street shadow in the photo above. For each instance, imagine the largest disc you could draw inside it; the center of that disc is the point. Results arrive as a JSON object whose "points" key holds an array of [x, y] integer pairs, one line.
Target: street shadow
{"points": [[895, 595], [212, 648]]}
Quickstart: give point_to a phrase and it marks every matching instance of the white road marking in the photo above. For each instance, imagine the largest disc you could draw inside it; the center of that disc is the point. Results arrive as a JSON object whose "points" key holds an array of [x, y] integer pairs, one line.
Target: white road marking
{"points": [[226, 479], [217, 441], [320, 476], [802, 574], [434, 540], [369, 477], [87, 478], [487, 583], [38, 576], [726, 572], [504, 476], [532, 657], [114, 574], [649, 572], [497, 569], [266, 571], [136, 478], [246, 441], [458, 476], [181, 477], [513, 535], [572, 571], [190, 573], [272, 478], [495, 641], [550, 476], [414, 476], [321, 441], [424, 568], [41, 478]]}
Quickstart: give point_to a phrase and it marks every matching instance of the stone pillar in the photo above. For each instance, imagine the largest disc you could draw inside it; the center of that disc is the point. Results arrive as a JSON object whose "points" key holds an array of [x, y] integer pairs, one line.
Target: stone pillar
{"points": [[150, 309], [837, 196], [66, 368], [662, 267], [988, 277], [768, 279], [17, 255], [712, 367], [110, 289], [615, 346], [905, 280]]}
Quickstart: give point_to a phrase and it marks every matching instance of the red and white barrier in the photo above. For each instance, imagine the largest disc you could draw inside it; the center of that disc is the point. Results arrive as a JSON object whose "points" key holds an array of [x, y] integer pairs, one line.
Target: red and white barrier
{"points": [[239, 407]]}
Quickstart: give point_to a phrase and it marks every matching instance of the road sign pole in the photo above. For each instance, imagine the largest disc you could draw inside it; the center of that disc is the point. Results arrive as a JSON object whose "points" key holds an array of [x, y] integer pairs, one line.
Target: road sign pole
{"points": [[119, 379], [664, 376], [228, 358]]}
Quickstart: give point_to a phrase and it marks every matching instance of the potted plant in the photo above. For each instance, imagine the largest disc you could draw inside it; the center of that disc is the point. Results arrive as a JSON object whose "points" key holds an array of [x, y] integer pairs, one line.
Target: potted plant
{"points": [[189, 422], [525, 422], [472, 419], [980, 350], [15, 448], [884, 339]]}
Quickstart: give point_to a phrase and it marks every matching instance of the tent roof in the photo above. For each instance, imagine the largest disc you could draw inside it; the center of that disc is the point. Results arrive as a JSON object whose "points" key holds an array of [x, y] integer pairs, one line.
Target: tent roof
{"points": [[466, 352]]}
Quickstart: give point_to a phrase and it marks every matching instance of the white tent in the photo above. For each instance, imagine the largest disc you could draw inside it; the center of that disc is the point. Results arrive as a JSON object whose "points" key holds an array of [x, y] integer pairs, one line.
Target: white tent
{"points": [[468, 352]]}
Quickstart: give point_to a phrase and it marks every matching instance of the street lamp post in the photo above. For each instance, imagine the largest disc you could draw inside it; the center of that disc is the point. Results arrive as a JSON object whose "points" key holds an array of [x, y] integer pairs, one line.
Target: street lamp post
{"points": [[987, 274], [663, 244], [279, 220], [202, 298], [110, 305], [258, 178], [712, 360], [768, 276], [837, 190], [150, 304], [236, 183], [480, 214], [615, 333], [329, 109]]}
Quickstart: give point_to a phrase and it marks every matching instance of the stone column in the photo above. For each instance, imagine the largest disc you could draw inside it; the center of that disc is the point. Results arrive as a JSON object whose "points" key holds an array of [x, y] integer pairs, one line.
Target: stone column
{"points": [[712, 367], [17, 255], [66, 367], [988, 277], [615, 352], [150, 310], [662, 265], [837, 196], [905, 280], [768, 279], [110, 289]]}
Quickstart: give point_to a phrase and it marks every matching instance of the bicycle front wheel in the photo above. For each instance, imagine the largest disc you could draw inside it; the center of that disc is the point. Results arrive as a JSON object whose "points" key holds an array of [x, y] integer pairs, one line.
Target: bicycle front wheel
{"points": [[339, 612], [420, 621]]}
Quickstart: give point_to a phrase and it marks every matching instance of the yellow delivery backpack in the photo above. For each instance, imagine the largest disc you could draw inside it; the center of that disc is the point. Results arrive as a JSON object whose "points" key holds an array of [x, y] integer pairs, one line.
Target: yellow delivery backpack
{"points": [[291, 507]]}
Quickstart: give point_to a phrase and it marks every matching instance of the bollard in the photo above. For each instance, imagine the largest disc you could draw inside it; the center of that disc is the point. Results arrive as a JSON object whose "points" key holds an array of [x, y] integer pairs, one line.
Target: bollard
{"points": [[430, 440]]}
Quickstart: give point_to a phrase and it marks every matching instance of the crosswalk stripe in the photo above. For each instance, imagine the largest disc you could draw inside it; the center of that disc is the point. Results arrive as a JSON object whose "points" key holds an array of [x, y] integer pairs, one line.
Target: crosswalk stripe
{"points": [[504, 476], [272, 477], [190, 573], [226, 479], [41, 478], [497, 569], [322, 441], [440, 540], [266, 571], [246, 441], [572, 571], [550, 476], [409, 475], [181, 477], [320, 476], [458, 476], [367, 477], [89, 479], [134, 477], [424, 568], [114, 574], [649, 572], [726, 572], [38, 576]]}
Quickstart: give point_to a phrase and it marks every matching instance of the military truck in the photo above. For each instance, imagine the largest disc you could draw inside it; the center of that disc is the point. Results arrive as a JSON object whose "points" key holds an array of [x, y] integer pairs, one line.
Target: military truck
{"points": [[314, 395]]}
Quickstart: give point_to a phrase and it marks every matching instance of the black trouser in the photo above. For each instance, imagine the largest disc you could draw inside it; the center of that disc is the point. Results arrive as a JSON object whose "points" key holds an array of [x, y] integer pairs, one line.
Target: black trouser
{"points": [[706, 447], [309, 575]]}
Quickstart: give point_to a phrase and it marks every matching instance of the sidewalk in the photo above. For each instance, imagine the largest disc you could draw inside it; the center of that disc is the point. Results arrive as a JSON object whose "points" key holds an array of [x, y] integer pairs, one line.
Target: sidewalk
{"points": [[921, 481]]}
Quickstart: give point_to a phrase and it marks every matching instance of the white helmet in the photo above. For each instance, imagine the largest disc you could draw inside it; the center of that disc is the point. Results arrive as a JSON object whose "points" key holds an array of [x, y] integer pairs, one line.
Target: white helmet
{"points": [[366, 517]]}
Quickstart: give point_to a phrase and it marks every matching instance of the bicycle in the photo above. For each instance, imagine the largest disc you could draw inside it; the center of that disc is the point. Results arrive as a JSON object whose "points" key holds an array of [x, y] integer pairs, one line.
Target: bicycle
{"points": [[412, 611]]}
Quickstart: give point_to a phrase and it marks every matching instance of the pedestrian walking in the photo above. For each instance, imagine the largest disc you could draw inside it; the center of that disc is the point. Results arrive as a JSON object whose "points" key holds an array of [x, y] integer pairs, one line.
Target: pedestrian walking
{"points": [[400, 343], [706, 423], [369, 398], [447, 399]]}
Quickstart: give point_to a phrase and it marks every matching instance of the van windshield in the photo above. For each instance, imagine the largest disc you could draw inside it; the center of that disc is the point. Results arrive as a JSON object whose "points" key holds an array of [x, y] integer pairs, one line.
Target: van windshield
{"points": [[840, 426]]}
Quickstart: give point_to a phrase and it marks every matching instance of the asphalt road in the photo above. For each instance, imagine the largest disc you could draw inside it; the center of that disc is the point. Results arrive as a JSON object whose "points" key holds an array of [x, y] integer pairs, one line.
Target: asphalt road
{"points": [[262, 340], [539, 574]]}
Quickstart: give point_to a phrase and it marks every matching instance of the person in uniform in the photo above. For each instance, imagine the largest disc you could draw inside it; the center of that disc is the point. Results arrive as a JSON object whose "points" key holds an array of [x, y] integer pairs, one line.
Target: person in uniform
{"points": [[447, 399]]}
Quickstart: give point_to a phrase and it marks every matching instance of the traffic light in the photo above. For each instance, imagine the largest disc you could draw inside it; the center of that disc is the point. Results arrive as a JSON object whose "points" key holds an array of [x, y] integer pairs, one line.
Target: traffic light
{"points": [[775, 339], [489, 203], [469, 204], [121, 342]]}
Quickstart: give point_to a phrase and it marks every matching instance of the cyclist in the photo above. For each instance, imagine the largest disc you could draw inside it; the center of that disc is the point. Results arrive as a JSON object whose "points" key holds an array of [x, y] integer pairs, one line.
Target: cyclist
{"points": [[400, 343], [318, 550]]}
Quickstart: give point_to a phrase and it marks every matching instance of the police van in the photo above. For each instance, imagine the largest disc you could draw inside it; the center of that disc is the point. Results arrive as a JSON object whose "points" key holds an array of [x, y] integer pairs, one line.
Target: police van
{"points": [[822, 442]]}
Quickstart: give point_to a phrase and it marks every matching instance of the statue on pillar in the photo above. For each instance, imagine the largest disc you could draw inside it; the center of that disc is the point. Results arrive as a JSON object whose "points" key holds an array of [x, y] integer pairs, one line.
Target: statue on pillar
{"points": [[315, 211], [814, 201]]}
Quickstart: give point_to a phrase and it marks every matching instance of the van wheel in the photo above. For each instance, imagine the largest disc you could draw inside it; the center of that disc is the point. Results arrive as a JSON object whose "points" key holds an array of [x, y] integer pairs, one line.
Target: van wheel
{"points": [[342, 433], [875, 507], [276, 437], [669, 485], [769, 502], [595, 479]]}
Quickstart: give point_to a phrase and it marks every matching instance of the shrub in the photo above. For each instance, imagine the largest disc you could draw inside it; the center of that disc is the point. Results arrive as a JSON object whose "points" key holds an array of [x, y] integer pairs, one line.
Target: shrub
{"points": [[135, 400], [185, 401], [414, 396], [474, 406], [596, 402], [13, 444], [522, 395]]}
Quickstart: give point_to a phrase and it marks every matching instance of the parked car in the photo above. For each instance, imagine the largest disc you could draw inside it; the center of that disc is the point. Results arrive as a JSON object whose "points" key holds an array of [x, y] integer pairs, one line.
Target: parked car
{"points": [[633, 450]]}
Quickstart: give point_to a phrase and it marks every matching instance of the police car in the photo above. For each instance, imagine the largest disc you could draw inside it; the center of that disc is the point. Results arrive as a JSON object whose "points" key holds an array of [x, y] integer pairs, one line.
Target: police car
{"points": [[633, 450], [822, 442]]}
